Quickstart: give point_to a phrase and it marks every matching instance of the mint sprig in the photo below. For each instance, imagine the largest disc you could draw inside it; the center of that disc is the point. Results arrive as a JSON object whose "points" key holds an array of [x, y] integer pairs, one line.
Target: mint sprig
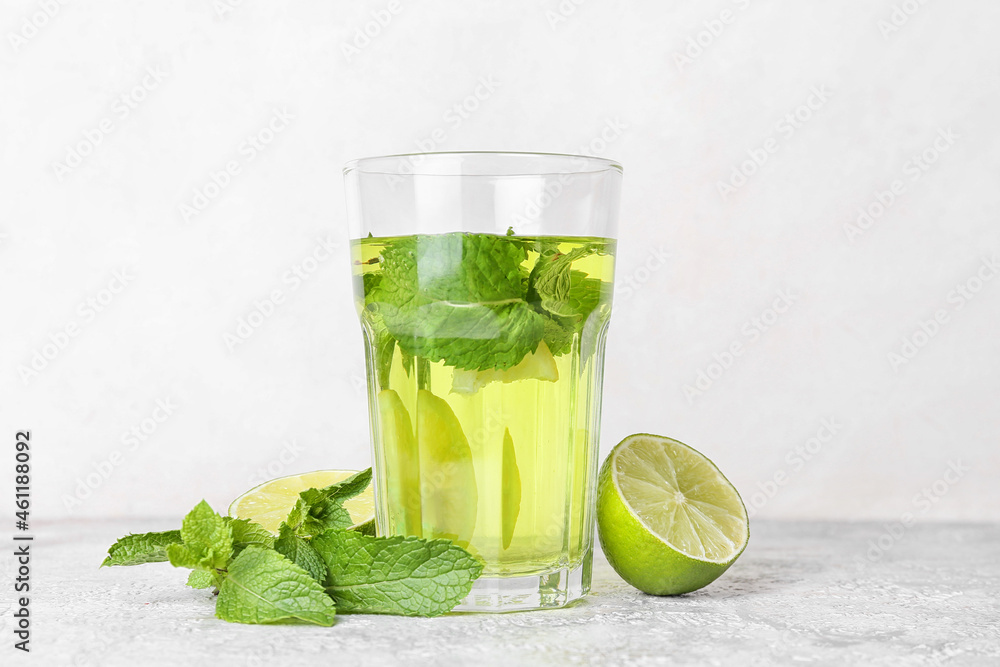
{"points": [[468, 300], [318, 510], [206, 541], [141, 548], [315, 567], [457, 298]]}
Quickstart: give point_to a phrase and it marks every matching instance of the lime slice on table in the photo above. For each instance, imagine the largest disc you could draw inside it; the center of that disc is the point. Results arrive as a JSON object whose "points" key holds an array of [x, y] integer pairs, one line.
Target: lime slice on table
{"points": [[270, 503], [669, 521]]}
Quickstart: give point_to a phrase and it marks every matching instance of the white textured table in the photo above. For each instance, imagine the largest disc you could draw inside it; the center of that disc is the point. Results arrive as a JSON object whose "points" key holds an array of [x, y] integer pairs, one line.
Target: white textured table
{"points": [[802, 593]]}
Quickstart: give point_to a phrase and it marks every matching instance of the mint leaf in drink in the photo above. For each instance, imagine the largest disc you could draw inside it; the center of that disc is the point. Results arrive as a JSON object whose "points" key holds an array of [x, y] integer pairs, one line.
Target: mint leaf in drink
{"points": [[559, 289], [141, 548], [201, 579], [300, 552], [265, 587], [207, 540], [408, 576], [247, 533], [318, 510], [385, 346], [559, 333], [457, 298], [468, 336]]}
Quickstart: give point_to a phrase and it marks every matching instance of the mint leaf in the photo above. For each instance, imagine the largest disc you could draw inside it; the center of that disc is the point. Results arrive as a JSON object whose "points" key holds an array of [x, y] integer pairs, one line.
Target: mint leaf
{"points": [[467, 336], [297, 550], [559, 333], [318, 510], [265, 587], [549, 281], [409, 576], [457, 298], [367, 528], [559, 289], [141, 548], [407, 360], [385, 346], [247, 533], [180, 555], [208, 536], [207, 540], [201, 579]]}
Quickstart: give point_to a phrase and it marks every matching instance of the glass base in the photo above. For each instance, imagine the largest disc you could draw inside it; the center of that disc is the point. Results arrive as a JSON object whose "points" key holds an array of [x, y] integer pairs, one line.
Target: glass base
{"points": [[546, 590]]}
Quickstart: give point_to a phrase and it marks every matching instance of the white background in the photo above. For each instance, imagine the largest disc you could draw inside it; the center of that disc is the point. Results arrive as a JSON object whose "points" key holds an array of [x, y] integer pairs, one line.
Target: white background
{"points": [[627, 80]]}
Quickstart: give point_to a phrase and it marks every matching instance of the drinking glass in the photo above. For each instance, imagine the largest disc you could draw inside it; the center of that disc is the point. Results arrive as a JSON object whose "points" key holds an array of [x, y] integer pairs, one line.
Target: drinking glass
{"points": [[483, 282]]}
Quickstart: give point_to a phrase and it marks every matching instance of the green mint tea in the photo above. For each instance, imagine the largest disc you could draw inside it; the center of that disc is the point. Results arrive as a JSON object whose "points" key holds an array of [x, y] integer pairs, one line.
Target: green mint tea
{"points": [[484, 357]]}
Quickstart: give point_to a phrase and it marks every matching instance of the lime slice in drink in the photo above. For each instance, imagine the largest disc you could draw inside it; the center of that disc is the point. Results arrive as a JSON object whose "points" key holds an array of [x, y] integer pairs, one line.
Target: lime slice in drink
{"points": [[669, 522], [537, 365], [510, 503], [270, 503], [402, 462], [449, 499]]}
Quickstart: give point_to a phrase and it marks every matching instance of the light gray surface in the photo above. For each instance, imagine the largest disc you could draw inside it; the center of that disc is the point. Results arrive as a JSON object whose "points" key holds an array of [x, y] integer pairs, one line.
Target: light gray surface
{"points": [[802, 593], [603, 77]]}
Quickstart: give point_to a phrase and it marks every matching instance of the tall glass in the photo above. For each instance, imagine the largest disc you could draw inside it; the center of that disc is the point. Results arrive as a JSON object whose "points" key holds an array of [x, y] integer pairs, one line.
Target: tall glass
{"points": [[483, 282]]}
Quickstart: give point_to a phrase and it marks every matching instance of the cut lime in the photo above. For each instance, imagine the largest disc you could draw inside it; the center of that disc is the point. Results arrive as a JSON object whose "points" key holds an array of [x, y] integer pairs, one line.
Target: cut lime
{"points": [[668, 520], [269, 503], [449, 499], [511, 484], [537, 365], [402, 462]]}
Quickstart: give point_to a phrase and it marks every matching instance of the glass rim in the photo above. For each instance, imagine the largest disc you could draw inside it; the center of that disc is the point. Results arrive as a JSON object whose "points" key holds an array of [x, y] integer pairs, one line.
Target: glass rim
{"points": [[589, 164]]}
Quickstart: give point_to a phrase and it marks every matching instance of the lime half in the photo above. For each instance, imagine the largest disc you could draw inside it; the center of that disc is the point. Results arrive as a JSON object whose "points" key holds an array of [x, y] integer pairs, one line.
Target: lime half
{"points": [[668, 520], [270, 503]]}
